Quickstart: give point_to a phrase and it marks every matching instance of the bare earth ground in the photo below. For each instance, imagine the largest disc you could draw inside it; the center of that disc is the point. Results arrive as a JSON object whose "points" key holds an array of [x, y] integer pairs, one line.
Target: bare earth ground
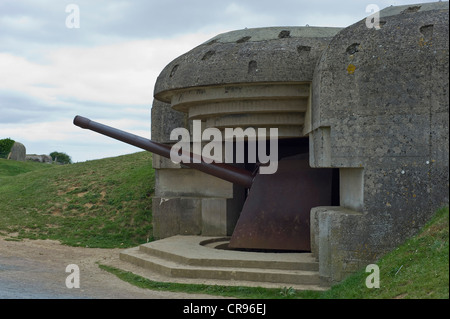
{"points": [[36, 269]]}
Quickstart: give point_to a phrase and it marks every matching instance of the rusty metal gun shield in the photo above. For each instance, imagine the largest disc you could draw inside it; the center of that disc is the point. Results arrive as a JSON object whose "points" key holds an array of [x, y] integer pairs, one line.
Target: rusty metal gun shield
{"points": [[276, 214]]}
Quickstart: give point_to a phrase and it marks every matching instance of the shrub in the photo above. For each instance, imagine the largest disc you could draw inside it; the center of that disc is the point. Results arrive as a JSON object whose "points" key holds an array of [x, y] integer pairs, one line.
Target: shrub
{"points": [[61, 158], [5, 147]]}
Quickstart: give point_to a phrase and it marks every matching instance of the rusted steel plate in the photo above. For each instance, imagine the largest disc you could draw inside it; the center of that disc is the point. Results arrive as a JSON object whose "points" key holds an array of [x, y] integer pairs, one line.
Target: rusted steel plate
{"points": [[276, 214]]}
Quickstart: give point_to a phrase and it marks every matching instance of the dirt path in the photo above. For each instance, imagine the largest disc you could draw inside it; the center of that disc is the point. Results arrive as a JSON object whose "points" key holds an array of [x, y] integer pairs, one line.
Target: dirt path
{"points": [[36, 269]]}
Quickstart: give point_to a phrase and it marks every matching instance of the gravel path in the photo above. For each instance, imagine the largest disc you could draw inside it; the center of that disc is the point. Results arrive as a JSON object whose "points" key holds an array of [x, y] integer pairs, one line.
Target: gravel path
{"points": [[36, 269]]}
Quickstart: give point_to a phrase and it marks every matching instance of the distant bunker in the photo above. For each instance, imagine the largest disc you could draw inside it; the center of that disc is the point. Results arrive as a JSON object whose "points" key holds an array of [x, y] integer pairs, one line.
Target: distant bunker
{"points": [[362, 119]]}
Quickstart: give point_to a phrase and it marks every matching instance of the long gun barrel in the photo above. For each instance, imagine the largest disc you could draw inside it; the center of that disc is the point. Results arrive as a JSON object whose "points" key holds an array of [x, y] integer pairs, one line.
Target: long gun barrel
{"points": [[220, 170]]}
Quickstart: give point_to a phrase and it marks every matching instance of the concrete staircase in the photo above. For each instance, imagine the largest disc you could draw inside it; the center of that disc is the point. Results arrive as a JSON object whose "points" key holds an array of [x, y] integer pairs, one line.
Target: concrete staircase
{"points": [[205, 260]]}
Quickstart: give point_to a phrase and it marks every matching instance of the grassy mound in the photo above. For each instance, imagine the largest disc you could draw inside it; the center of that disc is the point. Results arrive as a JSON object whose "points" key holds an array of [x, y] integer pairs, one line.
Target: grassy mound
{"points": [[102, 203]]}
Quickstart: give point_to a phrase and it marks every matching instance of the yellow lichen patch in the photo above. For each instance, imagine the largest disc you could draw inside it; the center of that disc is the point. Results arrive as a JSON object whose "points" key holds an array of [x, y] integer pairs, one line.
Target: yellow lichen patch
{"points": [[351, 69]]}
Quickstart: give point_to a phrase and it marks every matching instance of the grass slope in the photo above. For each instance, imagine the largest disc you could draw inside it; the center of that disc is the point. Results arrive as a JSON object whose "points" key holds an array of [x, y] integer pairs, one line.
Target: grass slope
{"points": [[13, 168], [103, 203]]}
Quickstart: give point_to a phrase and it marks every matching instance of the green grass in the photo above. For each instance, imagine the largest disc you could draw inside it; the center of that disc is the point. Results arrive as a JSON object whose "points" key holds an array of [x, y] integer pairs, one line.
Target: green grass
{"points": [[418, 269], [13, 168], [217, 290], [104, 203], [107, 203]]}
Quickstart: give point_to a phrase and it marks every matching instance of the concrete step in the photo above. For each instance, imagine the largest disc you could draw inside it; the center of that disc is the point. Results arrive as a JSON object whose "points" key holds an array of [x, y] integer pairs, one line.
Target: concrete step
{"points": [[195, 257], [191, 252], [177, 270]]}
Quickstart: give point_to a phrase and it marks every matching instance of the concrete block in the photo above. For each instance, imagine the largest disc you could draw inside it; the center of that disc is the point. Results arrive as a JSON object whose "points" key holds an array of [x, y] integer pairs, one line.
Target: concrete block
{"points": [[351, 188], [160, 162], [164, 119], [190, 183], [320, 147], [214, 217], [334, 237], [176, 216], [220, 215]]}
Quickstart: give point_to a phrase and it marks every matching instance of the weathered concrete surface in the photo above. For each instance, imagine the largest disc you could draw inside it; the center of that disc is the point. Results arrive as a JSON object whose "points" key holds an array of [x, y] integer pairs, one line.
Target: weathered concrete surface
{"points": [[280, 105], [164, 119], [278, 54], [380, 112], [18, 152], [176, 216], [184, 206], [190, 183]]}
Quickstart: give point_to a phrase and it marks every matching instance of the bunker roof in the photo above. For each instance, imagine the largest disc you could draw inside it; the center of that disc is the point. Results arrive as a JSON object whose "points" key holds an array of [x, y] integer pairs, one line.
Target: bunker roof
{"points": [[273, 54]]}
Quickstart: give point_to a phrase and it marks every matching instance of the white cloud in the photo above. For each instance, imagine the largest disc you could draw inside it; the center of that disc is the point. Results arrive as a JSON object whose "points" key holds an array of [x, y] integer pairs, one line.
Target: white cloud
{"points": [[21, 23], [112, 84], [61, 135], [122, 73], [107, 69], [240, 16]]}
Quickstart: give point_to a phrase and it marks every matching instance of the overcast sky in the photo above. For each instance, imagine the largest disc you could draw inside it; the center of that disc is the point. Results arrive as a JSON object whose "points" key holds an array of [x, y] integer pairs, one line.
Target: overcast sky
{"points": [[106, 69]]}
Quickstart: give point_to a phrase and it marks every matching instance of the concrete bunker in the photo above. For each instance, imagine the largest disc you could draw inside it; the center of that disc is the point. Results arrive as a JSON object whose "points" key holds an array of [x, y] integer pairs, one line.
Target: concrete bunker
{"points": [[373, 105], [368, 106], [241, 79]]}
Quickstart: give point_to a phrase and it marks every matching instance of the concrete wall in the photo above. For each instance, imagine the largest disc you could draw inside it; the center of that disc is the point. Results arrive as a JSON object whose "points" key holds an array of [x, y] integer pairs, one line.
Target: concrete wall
{"points": [[380, 114]]}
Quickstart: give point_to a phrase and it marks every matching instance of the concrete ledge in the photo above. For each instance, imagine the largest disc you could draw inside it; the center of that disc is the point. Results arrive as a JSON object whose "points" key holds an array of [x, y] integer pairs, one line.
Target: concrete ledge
{"points": [[190, 183]]}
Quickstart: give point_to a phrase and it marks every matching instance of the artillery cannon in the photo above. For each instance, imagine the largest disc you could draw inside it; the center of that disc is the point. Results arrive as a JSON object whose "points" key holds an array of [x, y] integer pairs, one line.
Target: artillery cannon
{"points": [[275, 215]]}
